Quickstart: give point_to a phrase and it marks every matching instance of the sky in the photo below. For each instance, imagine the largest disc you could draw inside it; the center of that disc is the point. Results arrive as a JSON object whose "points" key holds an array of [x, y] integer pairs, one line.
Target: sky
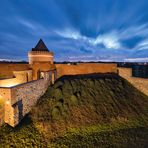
{"points": [[76, 30]]}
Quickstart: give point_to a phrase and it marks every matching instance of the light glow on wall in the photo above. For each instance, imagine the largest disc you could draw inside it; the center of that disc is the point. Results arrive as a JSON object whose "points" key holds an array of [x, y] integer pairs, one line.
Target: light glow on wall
{"points": [[7, 102], [9, 82], [8, 85], [1, 100]]}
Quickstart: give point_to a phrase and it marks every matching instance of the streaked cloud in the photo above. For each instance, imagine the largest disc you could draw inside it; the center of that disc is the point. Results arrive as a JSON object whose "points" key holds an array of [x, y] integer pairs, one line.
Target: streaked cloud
{"points": [[109, 40], [136, 60], [76, 30]]}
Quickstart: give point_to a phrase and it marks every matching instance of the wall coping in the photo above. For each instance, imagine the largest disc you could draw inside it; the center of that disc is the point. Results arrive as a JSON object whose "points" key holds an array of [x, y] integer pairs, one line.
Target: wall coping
{"points": [[22, 84], [20, 71]]}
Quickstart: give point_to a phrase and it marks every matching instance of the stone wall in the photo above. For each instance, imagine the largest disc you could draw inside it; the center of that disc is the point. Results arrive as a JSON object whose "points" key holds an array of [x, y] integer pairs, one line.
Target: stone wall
{"points": [[38, 67], [125, 72], [1, 110], [6, 70], [5, 95], [19, 99], [40, 56], [20, 77], [1, 116], [85, 68], [8, 82], [23, 76], [139, 83], [28, 93]]}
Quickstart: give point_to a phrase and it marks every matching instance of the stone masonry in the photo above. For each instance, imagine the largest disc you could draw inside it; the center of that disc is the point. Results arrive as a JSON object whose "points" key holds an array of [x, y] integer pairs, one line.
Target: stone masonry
{"points": [[139, 83]]}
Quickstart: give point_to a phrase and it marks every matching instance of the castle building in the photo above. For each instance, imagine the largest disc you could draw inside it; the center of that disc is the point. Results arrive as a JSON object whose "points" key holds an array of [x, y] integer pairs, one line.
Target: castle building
{"points": [[28, 83], [21, 85], [40, 54]]}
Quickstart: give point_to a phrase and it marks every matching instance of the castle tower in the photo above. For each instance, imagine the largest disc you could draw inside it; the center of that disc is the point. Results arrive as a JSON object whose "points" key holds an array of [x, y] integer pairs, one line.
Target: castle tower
{"points": [[40, 54], [40, 60]]}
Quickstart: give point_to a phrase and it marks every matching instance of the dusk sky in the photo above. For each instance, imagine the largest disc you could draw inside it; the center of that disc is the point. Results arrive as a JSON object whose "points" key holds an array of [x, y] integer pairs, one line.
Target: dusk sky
{"points": [[86, 30]]}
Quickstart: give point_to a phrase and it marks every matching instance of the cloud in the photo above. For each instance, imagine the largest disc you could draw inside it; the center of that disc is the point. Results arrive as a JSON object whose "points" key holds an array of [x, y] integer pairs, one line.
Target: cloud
{"points": [[10, 60], [136, 59], [69, 33], [26, 23], [143, 45], [109, 40], [106, 30], [35, 28], [136, 30], [84, 50]]}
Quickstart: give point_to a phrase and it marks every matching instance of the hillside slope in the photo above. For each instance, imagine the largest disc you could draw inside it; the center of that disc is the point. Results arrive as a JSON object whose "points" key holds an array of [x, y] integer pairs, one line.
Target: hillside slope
{"points": [[94, 110]]}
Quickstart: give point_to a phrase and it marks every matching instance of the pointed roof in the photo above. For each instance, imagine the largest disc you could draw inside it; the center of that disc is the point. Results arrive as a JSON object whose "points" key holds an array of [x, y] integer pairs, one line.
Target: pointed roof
{"points": [[40, 46]]}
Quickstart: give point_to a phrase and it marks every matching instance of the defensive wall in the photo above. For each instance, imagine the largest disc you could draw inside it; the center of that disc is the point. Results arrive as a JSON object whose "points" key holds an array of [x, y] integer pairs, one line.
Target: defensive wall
{"points": [[85, 68], [139, 83], [21, 85], [6, 69], [19, 99], [19, 77]]}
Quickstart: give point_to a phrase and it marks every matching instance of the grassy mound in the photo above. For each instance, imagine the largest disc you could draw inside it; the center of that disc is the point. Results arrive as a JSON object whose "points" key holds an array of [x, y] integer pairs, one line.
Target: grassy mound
{"points": [[94, 110]]}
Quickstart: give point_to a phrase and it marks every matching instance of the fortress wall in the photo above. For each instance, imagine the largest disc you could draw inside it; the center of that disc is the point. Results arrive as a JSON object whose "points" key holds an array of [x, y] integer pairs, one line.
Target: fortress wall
{"points": [[5, 95], [6, 70], [85, 68], [18, 100], [23, 76], [44, 66], [27, 94], [139, 83], [125, 72], [8, 82], [20, 77], [1, 116]]}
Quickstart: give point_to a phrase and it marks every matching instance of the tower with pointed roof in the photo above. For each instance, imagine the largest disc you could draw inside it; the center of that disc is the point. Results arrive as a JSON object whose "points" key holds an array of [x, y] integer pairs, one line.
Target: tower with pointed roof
{"points": [[40, 53]]}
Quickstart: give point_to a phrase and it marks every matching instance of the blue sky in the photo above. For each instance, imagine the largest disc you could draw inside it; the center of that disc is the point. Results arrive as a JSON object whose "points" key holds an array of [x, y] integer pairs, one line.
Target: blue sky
{"points": [[86, 30]]}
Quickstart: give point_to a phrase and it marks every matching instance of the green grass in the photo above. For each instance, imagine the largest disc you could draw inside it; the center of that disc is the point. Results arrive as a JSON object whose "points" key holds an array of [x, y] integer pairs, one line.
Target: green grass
{"points": [[130, 134], [84, 111]]}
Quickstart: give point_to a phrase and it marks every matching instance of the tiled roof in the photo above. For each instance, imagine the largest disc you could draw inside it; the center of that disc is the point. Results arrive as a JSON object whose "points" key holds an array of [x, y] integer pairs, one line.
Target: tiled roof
{"points": [[40, 46]]}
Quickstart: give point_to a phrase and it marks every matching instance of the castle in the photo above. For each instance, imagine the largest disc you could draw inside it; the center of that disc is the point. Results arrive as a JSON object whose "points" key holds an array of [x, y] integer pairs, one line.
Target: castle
{"points": [[21, 85], [25, 83]]}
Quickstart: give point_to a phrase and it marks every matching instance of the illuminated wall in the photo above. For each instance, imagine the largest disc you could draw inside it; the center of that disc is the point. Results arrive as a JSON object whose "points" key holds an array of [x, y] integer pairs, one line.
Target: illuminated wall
{"points": [[19, 78], [6, 69], [5, 94], [38, 67], [139, 83], [18, 100], [40, 56], [85, 68]]}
